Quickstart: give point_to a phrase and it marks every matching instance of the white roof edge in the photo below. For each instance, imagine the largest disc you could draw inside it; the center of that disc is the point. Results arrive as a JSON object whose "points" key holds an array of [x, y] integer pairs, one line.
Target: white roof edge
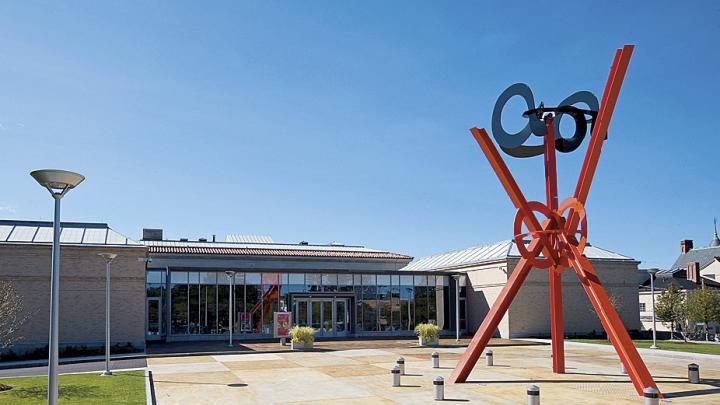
{"points": [[491, 253]]}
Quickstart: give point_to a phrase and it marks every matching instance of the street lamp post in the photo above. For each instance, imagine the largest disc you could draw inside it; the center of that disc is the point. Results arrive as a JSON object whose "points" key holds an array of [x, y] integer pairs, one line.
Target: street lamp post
{"points": [[108, 257], [58, 183], [652, 294], [231, 275], [457, 307]]}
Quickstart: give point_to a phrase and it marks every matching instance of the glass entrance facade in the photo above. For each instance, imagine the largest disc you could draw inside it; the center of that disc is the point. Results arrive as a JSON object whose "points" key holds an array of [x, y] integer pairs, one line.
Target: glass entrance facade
{"points": [[198, 303]]}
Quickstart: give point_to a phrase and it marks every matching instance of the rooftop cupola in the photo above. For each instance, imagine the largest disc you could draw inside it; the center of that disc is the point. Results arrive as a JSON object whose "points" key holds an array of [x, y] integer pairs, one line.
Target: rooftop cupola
{"points": [[715, 240]]}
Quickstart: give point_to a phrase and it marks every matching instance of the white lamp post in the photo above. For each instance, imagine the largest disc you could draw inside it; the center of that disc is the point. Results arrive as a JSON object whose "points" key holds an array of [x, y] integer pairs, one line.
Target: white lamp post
{"points": [[652, 294], [108, 257], [231, 275], [457, 307], [58, 183]]}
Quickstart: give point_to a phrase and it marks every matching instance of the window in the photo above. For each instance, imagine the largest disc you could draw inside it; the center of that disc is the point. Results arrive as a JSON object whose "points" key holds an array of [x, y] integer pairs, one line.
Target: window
{"points": [[179, 303], [642, 307], [369, 303]]}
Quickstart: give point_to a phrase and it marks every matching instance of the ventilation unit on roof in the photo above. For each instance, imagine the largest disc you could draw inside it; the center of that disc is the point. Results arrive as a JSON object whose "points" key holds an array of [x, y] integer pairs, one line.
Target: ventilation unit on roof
{"points": [[202, 240], [152, 234], [304, 243], [183, 239]]}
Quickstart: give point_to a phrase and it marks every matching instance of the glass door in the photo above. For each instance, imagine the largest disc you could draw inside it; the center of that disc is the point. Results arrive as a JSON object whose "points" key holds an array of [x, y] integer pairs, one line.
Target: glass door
{"points": [[153, 318], [315, 315], [327, 320], [301, 313], [342, 319]]}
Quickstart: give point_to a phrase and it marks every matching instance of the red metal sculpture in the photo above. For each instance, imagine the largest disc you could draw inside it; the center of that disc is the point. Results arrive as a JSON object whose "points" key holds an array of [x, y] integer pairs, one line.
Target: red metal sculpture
{"points": [[557, 240]]}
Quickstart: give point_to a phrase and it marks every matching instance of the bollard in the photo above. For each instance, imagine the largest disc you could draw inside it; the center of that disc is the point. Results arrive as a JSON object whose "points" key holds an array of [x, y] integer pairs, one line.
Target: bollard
{"points": [[401, 364], [533, 393], [489, 357], [395, 376], [651, 396], [622, 368], [436, 360], [693, 373], [439, 389]]}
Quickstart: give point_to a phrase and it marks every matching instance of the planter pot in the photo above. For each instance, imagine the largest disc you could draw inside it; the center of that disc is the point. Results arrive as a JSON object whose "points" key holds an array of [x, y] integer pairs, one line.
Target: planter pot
{"points": [[300, 345], [423, 342]]}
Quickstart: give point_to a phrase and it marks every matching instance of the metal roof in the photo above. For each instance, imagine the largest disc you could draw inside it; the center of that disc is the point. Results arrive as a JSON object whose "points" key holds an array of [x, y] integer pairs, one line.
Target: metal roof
{"points": [[71, 233], [248, 238], [488, 253], [704, 256], [268, 249]]}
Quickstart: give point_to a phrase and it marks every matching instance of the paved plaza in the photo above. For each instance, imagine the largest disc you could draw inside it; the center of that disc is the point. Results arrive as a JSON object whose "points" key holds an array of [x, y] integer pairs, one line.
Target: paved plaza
{"points": [[362, 376]]}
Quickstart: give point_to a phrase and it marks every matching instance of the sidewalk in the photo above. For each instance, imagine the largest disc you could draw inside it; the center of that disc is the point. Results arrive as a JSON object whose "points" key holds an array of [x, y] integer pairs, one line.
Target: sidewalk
{"points": [[5, 365], [659, 352], [221, 347]]}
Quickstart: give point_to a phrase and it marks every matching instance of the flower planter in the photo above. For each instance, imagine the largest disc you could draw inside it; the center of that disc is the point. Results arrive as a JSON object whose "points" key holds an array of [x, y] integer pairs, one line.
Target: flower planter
{"points": [[423, 342], [300, 345]]}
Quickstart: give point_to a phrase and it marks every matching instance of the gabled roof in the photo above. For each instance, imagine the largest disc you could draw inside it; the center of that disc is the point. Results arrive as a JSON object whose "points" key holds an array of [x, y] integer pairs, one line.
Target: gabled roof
{"points": [[679, 278], [489, 253], [268, 249], [704, 256], [71, 233]]}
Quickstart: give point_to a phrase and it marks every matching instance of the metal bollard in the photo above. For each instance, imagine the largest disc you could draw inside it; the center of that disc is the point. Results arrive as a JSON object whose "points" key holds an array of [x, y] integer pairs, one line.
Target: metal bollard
{"points": [[401, 364], [489, 357], [439, 389], [651, 396], [693, 373], [622, 368], [533, 393], [395, 376], [436, 360]]}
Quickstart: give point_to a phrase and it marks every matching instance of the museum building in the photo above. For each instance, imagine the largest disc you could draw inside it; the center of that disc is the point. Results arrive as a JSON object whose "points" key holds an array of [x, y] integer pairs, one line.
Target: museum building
{"points": [[186, 290]]}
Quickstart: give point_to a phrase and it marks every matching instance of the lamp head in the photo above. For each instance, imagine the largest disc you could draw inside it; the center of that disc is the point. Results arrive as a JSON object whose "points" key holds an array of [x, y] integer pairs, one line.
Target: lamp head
{"points": [[108, 257], [652, 271], [230, 273], [58, 182]]}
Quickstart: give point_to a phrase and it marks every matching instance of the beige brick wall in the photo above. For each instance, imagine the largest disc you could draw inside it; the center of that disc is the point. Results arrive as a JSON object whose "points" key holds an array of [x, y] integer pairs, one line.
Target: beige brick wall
{"points": [[82, 293], [529, 314]]}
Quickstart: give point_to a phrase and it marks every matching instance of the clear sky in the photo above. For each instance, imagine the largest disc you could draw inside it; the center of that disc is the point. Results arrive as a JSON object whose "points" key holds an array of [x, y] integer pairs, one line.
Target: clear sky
{"points": [[348, 121]]}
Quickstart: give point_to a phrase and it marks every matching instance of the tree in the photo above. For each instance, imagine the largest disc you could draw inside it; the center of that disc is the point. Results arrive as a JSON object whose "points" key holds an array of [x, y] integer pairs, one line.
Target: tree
{"points": [[703, 305], [11, 315], [671, 309]]}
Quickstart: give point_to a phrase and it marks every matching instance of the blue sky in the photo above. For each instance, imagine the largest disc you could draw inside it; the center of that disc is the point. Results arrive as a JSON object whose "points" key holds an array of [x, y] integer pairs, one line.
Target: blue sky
{"points": [[348, 121]]}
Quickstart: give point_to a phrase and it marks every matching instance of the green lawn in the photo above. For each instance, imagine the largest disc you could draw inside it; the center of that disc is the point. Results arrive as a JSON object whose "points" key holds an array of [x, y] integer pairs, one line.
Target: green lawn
{"points": [[121, 388], [664, 345]]}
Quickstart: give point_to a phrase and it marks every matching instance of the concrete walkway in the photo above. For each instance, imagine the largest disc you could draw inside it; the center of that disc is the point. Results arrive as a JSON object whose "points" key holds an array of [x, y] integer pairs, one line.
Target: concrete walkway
{"points": [[361, 375], [74, 367]]}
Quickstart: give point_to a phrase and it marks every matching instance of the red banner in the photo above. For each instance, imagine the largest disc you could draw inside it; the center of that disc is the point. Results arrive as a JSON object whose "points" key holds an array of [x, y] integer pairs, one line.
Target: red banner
{"points": [[282, 323]]}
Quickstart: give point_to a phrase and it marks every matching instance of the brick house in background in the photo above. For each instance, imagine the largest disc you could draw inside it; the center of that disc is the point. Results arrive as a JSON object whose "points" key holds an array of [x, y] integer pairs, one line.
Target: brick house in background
{"points": [[693, 269]]}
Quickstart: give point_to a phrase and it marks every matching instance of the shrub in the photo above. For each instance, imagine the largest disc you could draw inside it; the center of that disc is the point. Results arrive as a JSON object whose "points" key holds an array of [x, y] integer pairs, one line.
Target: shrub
{"points": [[427, 331], [302, 334]]}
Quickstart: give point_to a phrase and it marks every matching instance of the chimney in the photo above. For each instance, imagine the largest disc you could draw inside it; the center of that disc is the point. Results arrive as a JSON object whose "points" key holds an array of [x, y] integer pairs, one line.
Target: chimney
{"points": [[693, 272], [686, 245], [152, 234]]}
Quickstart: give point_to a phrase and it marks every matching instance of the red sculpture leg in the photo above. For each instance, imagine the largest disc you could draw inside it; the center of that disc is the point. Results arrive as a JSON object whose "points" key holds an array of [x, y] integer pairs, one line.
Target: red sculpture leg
{"points": [[611, 322], [492, 319], [557, 327]]}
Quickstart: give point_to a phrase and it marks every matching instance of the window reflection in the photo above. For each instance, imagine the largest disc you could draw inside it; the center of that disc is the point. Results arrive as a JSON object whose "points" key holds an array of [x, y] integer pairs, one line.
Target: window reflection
{"points": [[199, 301]]}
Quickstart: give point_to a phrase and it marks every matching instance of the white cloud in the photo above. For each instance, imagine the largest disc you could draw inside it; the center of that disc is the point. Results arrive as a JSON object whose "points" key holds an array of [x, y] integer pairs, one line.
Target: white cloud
{"points": [[7, 208]]}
